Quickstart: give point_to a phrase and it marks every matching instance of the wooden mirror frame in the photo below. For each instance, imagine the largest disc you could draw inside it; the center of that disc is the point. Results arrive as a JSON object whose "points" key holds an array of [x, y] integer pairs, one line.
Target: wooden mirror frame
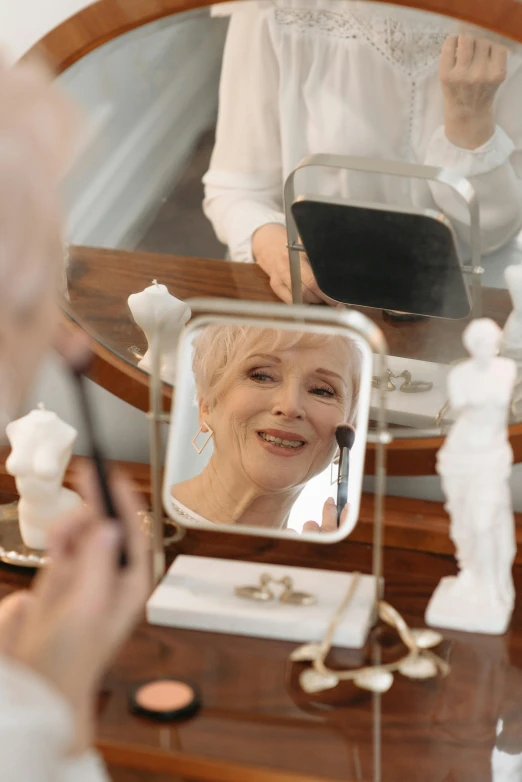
{"points": [[107, 19]]}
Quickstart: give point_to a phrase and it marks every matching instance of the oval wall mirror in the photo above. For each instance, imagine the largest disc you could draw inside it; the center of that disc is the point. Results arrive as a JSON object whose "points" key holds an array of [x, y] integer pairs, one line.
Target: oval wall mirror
{"points": [[197, 124]]}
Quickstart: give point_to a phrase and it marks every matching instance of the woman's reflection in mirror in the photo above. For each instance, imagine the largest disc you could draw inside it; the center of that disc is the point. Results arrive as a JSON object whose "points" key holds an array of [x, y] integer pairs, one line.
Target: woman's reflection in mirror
{"points": [[269, 401]]}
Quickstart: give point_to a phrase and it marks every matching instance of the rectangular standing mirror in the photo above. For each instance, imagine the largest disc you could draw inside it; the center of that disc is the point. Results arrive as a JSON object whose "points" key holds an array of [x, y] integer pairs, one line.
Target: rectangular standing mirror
{"points": [[384, 257], [253, 445]]}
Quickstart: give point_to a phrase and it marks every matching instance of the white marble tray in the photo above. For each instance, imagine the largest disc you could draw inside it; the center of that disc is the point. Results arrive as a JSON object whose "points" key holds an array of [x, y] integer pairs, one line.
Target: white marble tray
{"points": [[421, 409], [198, 593]]}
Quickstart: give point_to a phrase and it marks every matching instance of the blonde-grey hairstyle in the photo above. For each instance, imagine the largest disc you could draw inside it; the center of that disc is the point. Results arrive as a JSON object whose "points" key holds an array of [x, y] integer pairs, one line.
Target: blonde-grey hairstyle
{"points": [[219, 348], [39, 135]]}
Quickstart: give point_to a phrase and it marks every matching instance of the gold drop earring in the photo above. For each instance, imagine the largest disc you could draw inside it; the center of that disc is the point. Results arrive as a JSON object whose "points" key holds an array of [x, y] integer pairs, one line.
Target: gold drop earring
{"points": [[201, 430]]}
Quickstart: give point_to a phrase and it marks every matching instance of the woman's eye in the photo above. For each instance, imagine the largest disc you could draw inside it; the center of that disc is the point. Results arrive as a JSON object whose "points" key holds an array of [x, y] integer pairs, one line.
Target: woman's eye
{"points": [[260, 377], [321, 391]]}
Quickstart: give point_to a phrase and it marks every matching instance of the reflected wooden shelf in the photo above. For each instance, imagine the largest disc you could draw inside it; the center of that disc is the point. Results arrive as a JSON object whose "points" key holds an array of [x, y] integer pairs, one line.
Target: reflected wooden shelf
{"points": [[409, 524], [100, 282]]}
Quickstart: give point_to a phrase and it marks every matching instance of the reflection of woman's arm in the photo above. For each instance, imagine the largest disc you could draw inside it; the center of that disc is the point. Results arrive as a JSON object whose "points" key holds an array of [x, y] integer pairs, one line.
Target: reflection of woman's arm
{"points": [[473, 145], [243, 187]]}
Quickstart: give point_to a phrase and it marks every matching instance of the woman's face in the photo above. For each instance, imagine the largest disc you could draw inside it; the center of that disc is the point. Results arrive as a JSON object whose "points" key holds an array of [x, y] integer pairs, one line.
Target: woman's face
{"points": [[276, 420]]}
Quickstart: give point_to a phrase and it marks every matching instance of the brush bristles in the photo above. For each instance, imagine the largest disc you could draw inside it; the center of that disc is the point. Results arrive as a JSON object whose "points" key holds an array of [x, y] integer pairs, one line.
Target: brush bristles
{"points": [[345, 436]]}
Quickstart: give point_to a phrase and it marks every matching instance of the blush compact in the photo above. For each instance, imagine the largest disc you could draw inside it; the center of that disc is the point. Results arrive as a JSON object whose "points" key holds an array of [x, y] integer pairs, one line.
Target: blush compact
{"points": [[164, 700]]}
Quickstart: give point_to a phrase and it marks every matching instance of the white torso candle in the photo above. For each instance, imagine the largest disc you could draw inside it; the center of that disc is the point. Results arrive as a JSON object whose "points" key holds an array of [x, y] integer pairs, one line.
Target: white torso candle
{"points": [[41, 446], [155, 307]]}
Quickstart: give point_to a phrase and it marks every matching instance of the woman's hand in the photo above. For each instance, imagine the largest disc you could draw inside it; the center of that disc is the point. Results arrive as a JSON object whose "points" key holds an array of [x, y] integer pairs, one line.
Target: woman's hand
{"points": [[471, 72], [329, 520], [271, 254], [70, 626]]}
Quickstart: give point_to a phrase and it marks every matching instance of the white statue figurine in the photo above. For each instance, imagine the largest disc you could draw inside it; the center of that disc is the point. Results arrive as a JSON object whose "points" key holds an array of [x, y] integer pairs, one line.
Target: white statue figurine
{"points": [[41, 448], [511, 346], [155, 307], [475, 466]]}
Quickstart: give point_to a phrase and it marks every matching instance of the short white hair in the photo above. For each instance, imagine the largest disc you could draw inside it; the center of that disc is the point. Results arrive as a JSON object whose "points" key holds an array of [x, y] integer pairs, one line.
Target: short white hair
{"points": [[218, 349], [39, 133]]}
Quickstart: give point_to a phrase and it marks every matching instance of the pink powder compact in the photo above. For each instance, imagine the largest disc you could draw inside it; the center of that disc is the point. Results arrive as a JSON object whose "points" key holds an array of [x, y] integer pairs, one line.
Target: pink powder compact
{"points": [[164, 700]]}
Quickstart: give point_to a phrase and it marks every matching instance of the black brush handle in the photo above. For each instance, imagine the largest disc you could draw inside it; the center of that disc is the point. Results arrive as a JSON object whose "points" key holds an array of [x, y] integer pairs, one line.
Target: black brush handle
{"points": [[99, 463], [342, 482]]}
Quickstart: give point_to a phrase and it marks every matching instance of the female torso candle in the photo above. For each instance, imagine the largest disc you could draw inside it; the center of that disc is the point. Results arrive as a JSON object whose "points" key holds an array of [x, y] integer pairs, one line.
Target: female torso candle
{"points": [[41, 448], [153, 308]]}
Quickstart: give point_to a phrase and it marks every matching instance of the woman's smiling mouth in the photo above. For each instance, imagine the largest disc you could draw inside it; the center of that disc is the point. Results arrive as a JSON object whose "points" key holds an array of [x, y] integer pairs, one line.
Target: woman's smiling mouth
{"points": [[282, 442]]}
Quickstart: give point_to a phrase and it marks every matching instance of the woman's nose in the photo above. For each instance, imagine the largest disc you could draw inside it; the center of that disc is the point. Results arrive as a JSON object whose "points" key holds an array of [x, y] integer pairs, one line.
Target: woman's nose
{"points": [[289, 401]]}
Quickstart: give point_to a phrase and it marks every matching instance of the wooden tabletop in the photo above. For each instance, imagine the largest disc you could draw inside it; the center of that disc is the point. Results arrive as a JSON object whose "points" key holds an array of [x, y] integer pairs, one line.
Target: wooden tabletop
{"points": [[100, 282], [256, 724]]}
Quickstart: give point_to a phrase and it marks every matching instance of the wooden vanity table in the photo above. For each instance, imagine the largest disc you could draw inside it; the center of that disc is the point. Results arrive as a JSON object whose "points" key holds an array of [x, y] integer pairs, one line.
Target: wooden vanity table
{"points": [[100, 282], [256, 725]]}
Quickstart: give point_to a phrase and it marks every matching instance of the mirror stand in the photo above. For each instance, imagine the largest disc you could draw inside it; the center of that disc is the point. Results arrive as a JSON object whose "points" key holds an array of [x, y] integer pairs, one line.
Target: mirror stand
{"points": [[156, 420], [269, 312], [461, 186]]}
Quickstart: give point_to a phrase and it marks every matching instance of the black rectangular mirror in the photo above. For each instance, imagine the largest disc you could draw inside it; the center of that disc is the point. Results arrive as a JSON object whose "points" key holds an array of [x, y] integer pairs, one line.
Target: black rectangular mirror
{"points": [[383, 257]]}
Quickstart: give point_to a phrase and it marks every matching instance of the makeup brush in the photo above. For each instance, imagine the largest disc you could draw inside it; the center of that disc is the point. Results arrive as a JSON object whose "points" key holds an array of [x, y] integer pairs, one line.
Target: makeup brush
{"points": [[79, 358], [345, 436]]}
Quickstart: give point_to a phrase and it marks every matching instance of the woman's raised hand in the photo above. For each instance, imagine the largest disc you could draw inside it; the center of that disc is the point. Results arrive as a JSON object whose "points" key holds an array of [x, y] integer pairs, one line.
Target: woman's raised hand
{"points": [[329, 520], [70, 626], [471, 72]]}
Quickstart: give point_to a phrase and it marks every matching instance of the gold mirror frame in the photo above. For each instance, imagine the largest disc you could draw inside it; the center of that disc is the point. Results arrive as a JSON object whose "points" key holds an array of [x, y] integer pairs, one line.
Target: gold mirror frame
{"points": [[107, 19]]}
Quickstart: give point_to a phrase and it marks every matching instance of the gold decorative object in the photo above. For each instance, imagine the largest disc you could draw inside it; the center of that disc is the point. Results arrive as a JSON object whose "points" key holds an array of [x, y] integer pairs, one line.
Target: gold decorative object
{"points": [[418, 663], [390, 385], [262, 593], [413, 386], [409, 385]]}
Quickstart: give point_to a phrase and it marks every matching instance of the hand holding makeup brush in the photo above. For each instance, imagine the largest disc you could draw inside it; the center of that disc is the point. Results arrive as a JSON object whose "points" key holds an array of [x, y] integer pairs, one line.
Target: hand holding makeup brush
{"points": [[70, 626]]}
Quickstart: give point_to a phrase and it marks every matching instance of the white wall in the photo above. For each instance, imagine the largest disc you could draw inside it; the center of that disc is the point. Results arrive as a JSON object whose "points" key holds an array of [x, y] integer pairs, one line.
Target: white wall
{"points": [[24, 22]]}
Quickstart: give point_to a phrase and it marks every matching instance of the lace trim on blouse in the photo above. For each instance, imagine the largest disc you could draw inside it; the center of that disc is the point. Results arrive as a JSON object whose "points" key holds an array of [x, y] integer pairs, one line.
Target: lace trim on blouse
{"points": [[411, 45]]}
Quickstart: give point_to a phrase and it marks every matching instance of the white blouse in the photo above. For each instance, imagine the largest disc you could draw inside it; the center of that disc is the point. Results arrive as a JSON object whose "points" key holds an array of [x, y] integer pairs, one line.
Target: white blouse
{"points": [[343, 77], [36, 729]]}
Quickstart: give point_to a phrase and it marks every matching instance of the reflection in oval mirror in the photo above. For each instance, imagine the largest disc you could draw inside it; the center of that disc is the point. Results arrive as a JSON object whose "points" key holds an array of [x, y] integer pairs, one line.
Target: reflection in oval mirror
{"points": [[268, 428], [203, 116]]}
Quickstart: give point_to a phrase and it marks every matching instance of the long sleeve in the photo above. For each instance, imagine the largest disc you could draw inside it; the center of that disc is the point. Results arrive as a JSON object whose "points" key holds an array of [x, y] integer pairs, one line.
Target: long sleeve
{"points": [[36, 731], [243, 187], [497, 183]]}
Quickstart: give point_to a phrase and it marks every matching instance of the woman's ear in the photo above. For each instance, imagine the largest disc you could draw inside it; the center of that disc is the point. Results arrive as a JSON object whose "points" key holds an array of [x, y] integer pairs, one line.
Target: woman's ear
{"points": [[204, 413]]}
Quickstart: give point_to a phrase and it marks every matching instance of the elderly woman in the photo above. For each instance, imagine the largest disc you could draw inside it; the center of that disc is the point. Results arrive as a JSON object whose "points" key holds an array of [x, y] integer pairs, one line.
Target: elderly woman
{"points": [[270, 400], [56, 640], [342, 77]]}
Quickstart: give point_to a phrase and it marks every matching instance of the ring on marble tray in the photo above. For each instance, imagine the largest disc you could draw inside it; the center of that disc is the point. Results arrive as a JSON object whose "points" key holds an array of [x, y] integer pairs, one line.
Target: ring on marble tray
{"points": [[262, 593]]}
